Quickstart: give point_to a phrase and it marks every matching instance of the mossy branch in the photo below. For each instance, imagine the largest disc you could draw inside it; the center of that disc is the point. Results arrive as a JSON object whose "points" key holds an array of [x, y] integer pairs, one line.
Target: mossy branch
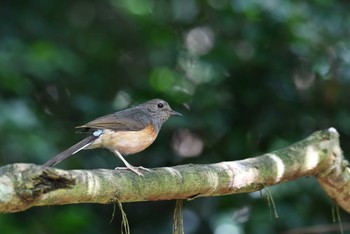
{"points": [[25, 185]]}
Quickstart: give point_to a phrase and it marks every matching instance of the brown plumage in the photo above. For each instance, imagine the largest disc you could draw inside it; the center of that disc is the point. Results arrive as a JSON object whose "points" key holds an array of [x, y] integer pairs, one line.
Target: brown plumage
{"points": [[124, 132]]}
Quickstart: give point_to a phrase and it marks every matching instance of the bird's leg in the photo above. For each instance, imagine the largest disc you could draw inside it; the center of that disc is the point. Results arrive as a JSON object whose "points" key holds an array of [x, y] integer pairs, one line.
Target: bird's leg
{"points": [[128, 165]]}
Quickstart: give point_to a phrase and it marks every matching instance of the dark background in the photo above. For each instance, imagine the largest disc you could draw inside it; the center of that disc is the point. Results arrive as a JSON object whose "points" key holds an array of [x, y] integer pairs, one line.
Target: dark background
{"points": [[248, 76]]}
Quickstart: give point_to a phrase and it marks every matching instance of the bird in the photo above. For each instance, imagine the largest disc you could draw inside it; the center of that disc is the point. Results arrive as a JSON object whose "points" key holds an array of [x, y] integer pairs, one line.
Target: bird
{"points": [[124, 132]]}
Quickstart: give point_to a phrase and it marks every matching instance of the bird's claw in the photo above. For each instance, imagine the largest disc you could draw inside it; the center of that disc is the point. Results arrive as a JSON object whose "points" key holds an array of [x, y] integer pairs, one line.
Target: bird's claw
{"points": [[136, 170]]}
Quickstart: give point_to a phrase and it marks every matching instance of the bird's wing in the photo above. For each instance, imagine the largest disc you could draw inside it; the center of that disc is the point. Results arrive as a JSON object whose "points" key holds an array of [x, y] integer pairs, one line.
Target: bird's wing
{"points": [[115, 122]]}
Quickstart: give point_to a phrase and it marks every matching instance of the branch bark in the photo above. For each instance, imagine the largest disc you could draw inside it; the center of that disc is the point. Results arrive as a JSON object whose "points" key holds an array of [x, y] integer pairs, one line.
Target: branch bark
{"points": [[26, 185]]}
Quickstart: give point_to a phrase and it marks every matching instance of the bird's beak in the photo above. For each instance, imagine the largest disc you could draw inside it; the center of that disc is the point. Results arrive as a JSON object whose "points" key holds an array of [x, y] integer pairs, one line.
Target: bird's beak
{"points": [[175, 113]]}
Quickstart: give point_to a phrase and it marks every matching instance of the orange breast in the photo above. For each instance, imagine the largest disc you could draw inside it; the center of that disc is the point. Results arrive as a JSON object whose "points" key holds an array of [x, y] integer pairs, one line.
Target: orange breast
{"points": [[126, 142]]}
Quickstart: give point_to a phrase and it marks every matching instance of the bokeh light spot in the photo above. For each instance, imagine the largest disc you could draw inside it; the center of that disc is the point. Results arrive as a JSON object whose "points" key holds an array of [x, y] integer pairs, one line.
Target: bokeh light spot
{"points": [[135, 7], [187, 144], [163, 79], [200, 41]]}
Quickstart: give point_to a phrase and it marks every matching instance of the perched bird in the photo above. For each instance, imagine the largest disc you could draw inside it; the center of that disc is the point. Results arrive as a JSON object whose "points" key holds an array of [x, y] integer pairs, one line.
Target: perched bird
{"points": [[124, 132]]}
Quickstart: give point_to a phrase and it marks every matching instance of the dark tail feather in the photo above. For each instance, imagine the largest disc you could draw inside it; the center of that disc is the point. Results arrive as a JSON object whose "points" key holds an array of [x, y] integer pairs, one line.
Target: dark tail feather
{"points": [[70, 151]]}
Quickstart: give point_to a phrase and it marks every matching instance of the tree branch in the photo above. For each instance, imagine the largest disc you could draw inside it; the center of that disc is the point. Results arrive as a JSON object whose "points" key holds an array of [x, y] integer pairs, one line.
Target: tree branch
{"points": [[25, 185]]}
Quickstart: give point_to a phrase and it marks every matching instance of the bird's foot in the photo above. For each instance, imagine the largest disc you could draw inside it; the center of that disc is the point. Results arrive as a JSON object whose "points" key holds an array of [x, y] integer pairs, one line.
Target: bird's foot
{"points": [[134, 169]]}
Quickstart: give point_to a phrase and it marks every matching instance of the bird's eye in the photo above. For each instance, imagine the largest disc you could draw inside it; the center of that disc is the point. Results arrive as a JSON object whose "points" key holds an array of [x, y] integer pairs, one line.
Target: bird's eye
{"points": [[160, 105]]}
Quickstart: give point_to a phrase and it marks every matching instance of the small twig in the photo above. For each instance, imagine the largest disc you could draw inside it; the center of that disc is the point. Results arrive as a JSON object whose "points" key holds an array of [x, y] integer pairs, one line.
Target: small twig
{"points": [[178, 226], [125, 229], [270, 202]]}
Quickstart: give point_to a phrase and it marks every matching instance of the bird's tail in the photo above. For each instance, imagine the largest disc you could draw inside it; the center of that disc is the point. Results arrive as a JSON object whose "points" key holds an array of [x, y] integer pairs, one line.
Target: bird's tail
{"points": [[70, 151]]}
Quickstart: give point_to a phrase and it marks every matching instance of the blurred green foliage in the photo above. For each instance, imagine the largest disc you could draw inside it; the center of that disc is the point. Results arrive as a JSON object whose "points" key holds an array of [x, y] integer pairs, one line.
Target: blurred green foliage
{"points": [[248, 76]]}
